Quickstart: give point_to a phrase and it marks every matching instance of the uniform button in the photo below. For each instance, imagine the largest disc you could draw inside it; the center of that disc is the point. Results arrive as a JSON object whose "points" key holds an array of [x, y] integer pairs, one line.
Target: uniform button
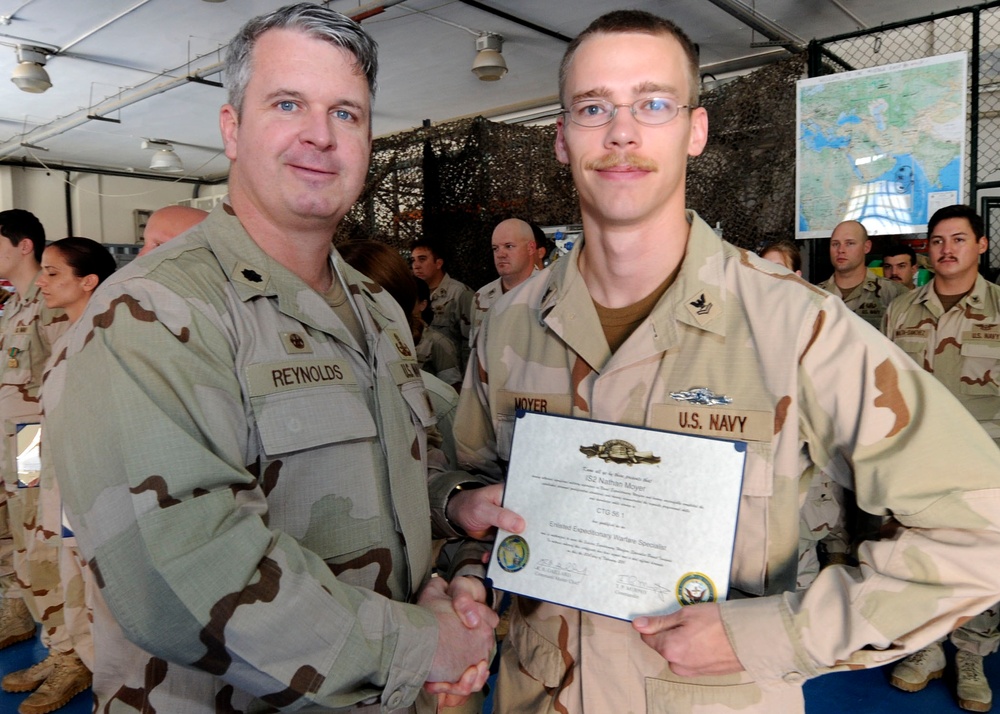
{"points": [[395, 700], [294, 424], [794, 678]]}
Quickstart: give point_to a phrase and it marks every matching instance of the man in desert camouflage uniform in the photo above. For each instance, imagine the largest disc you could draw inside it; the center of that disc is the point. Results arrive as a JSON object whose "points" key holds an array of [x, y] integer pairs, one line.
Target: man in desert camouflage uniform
{"points": [[31, 580], [451, 300], [514, 251], [810, 386], [253, 497], [951, 328], [865, 293]]}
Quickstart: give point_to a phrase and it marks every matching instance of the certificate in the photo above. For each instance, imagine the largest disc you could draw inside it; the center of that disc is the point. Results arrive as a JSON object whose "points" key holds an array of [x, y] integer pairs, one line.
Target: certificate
{"points": [[622, 521]]}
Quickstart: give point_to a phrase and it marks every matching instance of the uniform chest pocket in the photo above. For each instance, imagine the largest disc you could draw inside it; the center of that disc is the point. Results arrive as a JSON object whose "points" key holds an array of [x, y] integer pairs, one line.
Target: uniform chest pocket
{"points": [[913, 348], [981, 368], [420, 404], [308, 418]]}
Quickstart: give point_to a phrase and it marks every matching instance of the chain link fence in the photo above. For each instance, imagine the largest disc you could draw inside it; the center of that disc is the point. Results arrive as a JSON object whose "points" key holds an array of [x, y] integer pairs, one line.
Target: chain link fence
{"points": [[975, 30]]}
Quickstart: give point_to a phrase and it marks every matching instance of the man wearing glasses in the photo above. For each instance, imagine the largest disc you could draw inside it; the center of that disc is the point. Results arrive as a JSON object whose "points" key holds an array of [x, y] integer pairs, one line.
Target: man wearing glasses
{"points": [[650, 308]]}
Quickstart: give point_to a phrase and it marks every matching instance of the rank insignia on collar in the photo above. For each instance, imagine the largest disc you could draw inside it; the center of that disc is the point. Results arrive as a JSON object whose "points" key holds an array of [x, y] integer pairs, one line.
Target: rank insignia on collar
{"points": [[249, 275], [701, 305], [701, 395]]}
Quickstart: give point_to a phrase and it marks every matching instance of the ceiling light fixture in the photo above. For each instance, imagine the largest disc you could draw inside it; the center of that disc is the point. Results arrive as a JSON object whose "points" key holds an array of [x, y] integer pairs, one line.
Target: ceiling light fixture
{"points": [[164, 160], [489, 64], [30, 74]]}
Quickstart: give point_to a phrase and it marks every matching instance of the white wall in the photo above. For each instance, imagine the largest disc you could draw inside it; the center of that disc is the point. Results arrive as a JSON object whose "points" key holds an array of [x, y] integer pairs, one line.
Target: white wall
{"points": [[102, 206]]}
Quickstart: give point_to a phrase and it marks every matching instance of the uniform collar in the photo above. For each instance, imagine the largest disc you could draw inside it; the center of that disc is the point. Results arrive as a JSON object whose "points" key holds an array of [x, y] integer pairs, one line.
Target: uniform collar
{"points": [[696, 297], [254, 274], [979, 300]]}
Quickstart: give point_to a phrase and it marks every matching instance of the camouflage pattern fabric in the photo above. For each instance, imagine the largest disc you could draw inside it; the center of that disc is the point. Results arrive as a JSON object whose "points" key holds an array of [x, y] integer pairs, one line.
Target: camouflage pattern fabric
{"points": [[28, 330], [811, 387], [484, 299], [870, 299], [253, 499], [961, 347], [452, 305], [481, 303], [437, 355]]}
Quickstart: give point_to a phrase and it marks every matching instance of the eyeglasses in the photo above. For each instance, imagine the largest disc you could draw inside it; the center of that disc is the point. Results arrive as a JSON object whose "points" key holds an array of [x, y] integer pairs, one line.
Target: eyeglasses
{"points": [[650, 111]]}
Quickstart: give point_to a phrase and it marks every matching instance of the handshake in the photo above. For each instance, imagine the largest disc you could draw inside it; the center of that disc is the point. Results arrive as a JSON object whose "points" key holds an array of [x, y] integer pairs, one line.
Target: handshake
{"points": [[465, 623]]}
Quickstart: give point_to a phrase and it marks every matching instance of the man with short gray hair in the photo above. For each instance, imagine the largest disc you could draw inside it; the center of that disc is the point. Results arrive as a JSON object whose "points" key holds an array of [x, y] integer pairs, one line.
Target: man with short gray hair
{"points": [[262, 535]]}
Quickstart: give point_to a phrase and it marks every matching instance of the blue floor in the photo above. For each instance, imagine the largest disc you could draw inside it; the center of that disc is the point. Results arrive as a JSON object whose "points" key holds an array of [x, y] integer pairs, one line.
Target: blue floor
{"points": [[22, 655], [863, 692]]}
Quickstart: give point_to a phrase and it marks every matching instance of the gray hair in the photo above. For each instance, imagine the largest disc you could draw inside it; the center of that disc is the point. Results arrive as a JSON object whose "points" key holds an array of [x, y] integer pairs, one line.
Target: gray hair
{"points": [[316, 21]]}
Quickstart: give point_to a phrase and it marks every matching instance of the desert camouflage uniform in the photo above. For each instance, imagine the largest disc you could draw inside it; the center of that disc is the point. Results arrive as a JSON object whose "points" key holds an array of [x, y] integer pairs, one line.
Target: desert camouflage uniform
{"points": [[438, 355], [811, 386], [452, 305], [66, 611], [252, 496], [28, 330], [869, 299], [481, 303], [484, 299], [961, 348]]}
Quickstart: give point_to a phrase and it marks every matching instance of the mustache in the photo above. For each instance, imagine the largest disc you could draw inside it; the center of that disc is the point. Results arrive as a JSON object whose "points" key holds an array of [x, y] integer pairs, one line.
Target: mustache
{"points": [[610, 161]]}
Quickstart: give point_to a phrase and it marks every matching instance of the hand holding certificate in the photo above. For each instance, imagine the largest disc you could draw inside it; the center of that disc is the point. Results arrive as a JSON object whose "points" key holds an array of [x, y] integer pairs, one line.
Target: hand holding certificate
{"points": [[622, 521]]}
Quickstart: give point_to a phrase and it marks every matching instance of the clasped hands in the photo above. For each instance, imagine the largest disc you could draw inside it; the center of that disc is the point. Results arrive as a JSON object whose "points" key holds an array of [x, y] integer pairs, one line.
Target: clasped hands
{"points": [[693, 640]]}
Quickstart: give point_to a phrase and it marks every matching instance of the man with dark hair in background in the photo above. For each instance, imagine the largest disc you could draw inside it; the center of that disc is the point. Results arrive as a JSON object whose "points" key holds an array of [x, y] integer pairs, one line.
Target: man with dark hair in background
{"points": [[899, 263], [28, 330], [951, 328], [451, 300], [650, 305]]}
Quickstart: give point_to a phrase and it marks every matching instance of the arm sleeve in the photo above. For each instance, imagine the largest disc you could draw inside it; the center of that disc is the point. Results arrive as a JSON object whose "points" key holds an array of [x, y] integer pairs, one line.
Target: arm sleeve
{"points": [[912, 453], [175, 524]]}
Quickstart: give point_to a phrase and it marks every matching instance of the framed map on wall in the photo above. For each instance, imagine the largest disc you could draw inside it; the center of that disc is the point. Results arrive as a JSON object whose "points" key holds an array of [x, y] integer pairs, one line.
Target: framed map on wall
{"points": [[884, 146]]}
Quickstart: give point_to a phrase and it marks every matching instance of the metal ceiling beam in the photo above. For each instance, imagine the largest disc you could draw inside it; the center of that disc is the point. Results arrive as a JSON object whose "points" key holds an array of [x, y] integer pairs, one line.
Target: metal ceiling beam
{"points": [[759, 23], [155, 86], [518, 20]]}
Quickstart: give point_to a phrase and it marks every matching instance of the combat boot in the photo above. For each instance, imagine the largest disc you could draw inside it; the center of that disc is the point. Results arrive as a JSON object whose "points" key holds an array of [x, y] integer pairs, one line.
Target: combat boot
{"points": [[69, 677], [974, 693], [27, 680], [16, 623], [914, 672]]}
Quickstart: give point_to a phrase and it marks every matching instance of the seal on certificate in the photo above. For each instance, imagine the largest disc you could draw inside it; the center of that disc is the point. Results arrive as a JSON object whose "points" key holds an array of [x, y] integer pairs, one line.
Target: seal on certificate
{"points": [[512, 554], [694, 588], [619, 451]]}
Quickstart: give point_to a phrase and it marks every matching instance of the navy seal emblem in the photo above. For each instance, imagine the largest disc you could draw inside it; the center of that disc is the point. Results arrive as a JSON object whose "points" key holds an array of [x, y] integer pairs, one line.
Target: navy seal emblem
{"points": [[512, 554], [694, 588]]}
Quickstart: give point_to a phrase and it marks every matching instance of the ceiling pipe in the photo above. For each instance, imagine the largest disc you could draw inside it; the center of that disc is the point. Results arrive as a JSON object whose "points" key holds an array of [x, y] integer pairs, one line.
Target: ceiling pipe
{"points": [[148, 89], [518, 20], [759, 23]]}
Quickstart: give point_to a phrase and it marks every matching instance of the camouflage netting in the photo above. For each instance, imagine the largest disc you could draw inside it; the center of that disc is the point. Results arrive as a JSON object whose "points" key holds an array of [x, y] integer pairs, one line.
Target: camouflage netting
{"points": [[744, 181], [454, 182]]}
